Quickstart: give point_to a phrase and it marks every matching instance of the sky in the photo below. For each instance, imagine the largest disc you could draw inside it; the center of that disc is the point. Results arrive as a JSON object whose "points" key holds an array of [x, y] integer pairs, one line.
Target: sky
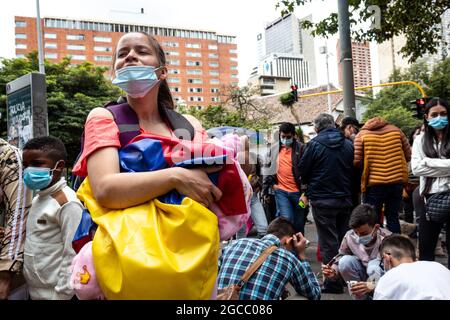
{"points": [[242, 18]]}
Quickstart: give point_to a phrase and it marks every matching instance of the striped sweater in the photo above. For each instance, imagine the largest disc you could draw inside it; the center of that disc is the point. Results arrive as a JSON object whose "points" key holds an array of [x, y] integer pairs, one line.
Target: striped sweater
{"points": [[383, 151]]}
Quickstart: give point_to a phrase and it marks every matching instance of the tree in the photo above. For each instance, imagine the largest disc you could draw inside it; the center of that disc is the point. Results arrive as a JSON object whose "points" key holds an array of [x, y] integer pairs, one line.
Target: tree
{"points": [[415, 19], [72, 91]]}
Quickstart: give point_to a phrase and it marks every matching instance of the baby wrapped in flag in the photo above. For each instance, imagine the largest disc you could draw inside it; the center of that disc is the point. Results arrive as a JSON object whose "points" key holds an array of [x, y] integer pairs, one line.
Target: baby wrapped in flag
{"points": [[166, 248]]}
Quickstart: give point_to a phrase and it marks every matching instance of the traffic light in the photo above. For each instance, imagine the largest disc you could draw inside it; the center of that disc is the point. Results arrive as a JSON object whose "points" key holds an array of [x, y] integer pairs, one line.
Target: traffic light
{"points": [[419, 107], [294, 91]]}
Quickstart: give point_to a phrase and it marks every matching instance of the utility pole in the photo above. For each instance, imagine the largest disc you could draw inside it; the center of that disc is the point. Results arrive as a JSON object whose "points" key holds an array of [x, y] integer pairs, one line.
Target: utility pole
{"points": [[39, 36], [346, 61]]}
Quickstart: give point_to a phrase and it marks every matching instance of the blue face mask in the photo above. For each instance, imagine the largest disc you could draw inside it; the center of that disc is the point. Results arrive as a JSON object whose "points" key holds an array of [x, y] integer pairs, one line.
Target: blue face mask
{"points": [[136, 81], [37, 178], [438, 123], [287, 142]]}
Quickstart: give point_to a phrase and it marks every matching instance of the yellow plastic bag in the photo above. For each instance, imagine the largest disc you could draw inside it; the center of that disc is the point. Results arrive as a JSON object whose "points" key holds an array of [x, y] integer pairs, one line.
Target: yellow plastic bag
{"points": [[154, 250]]}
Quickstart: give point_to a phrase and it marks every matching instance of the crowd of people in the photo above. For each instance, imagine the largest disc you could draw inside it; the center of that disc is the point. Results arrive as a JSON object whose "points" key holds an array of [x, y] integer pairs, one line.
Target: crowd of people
{"points": [[162, 210]]}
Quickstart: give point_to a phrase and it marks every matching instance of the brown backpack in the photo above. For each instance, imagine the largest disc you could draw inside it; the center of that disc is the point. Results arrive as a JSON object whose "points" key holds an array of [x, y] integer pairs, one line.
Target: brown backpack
{"points": [[232, 292]]}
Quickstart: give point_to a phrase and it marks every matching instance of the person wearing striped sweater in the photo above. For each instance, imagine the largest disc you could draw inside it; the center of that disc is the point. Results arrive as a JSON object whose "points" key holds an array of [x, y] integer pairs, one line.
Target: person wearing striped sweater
{"points": [[382, 151]]}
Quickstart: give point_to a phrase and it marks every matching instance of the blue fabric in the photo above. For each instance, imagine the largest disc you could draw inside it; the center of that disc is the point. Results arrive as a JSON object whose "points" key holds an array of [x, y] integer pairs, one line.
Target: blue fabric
{"points": [[269, 281], [147, 155], [327, 166], [288, 207], [86, 224]]}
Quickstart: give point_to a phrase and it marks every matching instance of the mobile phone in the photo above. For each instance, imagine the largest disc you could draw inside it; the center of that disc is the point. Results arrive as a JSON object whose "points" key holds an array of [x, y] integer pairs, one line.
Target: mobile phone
{"points": [[333, 260]]}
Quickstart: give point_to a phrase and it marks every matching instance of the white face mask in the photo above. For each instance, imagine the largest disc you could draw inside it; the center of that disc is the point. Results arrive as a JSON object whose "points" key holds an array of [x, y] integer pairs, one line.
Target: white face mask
{"points": [[136, 81]]}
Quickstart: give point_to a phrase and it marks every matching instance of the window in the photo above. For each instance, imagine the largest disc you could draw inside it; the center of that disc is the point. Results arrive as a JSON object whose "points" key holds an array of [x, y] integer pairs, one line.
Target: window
{"points": [[50, 45], [198, 99], [21, 36], [175, 89], [173, 80], [75, 47], [196, 81], [234, 59], [214, 64], [215, 90], [50, 36], [102, 58], [193, 45], [170, 44], [78, 57], [214, 73], [194, 71], [233, 51], [21, 46], [20, 55], [234, 75], [21, 24], [214, 81], [172, 53], [102, 39], [193, 63], [213, 55], [75, 37], [194, 54], [176, 99], [215, 99], [212, 47], [233, 67], [174, 71], [173, 62], [51, 55], [195, 90], [102, 49]]}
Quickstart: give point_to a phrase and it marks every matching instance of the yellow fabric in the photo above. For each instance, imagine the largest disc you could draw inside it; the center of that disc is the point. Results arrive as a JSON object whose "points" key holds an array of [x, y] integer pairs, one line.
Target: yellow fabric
{"points": [[154, 250]]}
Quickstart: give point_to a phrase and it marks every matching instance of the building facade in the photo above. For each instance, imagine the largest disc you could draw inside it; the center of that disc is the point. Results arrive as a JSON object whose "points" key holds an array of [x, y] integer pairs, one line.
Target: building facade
{"points": [[200, 63], [286, 50], [362, 69]]}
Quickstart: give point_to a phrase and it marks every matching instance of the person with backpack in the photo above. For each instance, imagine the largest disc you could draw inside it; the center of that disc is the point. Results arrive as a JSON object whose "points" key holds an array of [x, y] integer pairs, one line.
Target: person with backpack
{"points": [[158, 235]]}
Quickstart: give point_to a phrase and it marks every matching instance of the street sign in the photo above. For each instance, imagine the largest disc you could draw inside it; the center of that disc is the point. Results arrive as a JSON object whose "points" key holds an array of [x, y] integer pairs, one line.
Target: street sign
{"points": [[26, 108]]}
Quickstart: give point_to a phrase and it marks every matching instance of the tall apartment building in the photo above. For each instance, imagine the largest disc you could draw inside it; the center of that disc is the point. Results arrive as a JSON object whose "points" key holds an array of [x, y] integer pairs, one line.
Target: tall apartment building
{"points": [[362, 69], [200, 63], [287, 50]]}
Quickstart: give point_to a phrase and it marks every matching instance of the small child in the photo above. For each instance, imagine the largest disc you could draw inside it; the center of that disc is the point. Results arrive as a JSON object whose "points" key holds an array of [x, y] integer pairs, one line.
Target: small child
{"points": [[52, 222]]}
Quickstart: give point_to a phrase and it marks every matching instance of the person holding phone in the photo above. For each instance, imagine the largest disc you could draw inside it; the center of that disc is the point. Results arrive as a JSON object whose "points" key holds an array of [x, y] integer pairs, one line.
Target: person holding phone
{"points": [[358, 260]]}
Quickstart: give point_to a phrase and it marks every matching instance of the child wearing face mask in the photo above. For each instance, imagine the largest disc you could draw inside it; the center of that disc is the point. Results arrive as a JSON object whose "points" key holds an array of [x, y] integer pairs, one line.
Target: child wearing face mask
{"points": [[52, 222], [358, 262]]}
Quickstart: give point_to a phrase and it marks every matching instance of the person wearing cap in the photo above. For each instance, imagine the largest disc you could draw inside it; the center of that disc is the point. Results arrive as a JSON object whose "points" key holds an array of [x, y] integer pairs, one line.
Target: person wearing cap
{"points": [[350, 127]]}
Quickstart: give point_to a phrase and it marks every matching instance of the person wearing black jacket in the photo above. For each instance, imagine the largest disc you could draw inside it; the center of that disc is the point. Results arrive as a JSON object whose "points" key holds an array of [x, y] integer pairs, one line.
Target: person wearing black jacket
{"points": [[327, 169], [283, 176]]}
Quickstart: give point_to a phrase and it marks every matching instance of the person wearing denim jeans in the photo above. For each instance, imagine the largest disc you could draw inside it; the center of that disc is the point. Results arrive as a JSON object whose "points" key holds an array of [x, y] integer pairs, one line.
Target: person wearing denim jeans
{"points": [[390, 196], [382, 151], [284, 177], [258, 217]]}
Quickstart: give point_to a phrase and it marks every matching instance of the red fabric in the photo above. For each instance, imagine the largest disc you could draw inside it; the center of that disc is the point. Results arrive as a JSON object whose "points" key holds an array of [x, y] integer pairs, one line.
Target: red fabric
{"points": [[229, 182], [99, 132]]}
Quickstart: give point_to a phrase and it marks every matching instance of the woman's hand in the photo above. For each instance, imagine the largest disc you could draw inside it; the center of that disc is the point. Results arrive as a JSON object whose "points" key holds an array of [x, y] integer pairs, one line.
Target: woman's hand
{"points": [[195, 184]]}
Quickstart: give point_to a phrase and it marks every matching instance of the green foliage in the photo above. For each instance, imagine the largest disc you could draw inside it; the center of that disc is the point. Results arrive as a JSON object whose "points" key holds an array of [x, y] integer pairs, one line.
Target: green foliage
{"points": [[72, 91], [415, 19], [287, 99], [217, 116], [300, 136]]}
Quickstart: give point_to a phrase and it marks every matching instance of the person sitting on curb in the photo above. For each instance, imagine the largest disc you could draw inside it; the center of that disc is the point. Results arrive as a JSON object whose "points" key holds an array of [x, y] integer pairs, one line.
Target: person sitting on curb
{"points": [[408, 279], [358, 261]]}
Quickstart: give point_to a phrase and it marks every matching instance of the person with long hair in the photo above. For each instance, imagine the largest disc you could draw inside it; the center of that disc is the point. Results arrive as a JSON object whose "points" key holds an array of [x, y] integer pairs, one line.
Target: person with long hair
{"points": [[431, 161]]}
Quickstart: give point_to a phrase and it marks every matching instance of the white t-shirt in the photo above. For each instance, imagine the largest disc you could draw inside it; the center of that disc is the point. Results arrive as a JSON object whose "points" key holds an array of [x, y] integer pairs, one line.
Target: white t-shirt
{"points": [[421, 280]]}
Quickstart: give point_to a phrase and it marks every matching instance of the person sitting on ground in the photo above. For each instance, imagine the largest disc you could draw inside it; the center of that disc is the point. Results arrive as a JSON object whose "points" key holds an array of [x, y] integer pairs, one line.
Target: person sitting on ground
{"points": [[359, 260], [408, 279], [285, 264]]}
